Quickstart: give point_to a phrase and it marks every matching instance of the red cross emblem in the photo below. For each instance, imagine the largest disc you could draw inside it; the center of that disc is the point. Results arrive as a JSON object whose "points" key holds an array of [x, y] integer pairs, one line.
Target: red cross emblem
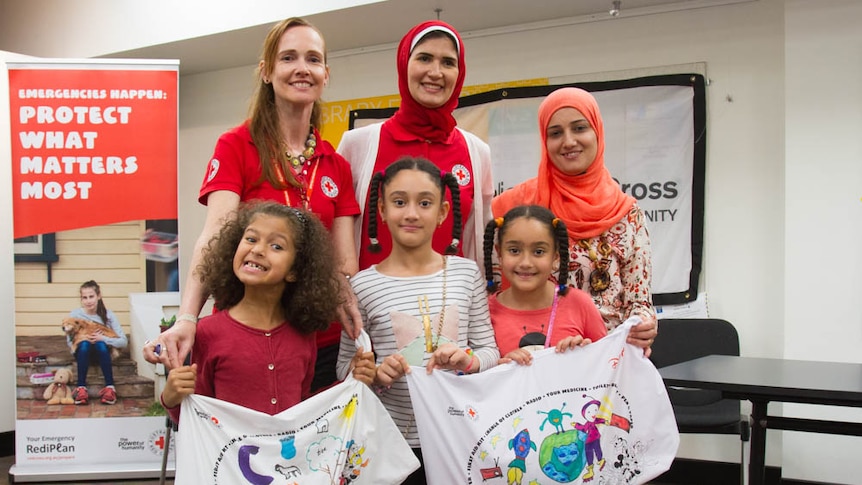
{"points": [[329, 187], [462, 175], [472, 413]]}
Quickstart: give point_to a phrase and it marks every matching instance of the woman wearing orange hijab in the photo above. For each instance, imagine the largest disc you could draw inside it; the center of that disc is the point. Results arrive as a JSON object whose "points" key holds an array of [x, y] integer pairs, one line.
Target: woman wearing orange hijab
{"points": [[608, 240]]}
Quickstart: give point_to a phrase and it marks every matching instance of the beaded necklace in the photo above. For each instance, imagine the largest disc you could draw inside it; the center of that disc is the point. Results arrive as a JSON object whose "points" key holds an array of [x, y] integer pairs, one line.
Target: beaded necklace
{"points": [[306, 154], [299, 167], [600, 278]]}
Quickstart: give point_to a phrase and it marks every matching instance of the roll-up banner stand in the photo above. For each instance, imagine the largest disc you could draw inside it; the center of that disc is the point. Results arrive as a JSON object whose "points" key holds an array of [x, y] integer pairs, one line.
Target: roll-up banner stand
{"points": [[94, 197]]}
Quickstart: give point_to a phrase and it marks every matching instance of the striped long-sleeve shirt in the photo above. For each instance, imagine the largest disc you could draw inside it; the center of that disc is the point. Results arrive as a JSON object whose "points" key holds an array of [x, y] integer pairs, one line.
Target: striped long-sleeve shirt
{"points": [[393, 319]]}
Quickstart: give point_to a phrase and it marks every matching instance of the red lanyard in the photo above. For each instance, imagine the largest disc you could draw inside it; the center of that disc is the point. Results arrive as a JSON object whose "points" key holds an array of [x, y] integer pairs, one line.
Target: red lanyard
{"points": [[305, 190]]}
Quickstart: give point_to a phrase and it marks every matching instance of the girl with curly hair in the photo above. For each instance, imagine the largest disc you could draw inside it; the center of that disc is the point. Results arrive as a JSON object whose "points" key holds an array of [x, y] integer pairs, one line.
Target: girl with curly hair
{"points": [[273, 276]]}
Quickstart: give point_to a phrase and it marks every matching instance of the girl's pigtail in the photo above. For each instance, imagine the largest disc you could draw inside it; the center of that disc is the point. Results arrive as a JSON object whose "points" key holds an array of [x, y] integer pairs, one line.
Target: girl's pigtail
{"points": [[373, 198], [488, 246], [562, 236], [455, 189]]}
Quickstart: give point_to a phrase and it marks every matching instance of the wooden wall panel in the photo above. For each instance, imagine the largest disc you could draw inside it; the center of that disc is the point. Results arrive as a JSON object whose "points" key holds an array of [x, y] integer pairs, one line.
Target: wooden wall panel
{"points": [[110, 255]]}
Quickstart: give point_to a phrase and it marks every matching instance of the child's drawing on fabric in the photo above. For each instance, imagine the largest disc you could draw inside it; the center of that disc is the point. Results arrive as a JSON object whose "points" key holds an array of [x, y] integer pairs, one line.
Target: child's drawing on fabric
{"points": [[342, 436], [595, 415]]}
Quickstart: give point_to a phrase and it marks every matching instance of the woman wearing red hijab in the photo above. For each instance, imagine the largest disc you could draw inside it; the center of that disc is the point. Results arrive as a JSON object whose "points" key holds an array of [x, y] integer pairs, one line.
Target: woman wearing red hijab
{"points": [[431, 73], [608, 240]]}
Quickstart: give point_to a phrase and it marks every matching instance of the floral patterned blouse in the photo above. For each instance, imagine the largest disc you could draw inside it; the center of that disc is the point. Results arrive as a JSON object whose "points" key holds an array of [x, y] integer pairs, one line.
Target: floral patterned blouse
{"points": [[628, 265]]}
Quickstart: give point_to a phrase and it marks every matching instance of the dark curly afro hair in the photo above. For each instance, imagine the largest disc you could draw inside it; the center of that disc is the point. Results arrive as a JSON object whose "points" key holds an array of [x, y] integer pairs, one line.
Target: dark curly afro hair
{"points": [[310, 303]]}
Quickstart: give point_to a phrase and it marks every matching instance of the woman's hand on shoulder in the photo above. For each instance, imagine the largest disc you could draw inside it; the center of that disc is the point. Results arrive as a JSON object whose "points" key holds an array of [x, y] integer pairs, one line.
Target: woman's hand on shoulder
{"points": [[348, 312], [180, 383]]}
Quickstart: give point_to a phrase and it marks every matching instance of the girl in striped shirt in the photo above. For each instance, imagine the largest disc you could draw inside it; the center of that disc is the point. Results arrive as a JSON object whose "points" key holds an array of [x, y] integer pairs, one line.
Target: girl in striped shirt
{"points": [[420, 307]]}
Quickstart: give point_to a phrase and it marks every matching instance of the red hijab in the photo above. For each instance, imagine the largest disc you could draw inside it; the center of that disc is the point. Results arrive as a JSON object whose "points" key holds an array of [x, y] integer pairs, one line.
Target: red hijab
{"points": [[589, 203], [413, 120]]}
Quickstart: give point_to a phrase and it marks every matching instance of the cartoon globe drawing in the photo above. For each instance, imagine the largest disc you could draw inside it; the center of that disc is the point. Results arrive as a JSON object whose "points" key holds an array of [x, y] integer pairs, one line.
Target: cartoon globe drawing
{"points": [[561, 455]]}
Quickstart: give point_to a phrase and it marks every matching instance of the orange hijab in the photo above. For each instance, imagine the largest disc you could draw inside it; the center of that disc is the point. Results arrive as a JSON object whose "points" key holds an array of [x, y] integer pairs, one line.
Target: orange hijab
{"points": [[589, 203]]}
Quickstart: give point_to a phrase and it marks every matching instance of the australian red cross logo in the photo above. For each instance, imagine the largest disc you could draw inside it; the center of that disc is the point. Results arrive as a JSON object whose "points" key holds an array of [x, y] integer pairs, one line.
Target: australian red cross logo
{"points": [[328, 186], [158, 442], [462, 175]]}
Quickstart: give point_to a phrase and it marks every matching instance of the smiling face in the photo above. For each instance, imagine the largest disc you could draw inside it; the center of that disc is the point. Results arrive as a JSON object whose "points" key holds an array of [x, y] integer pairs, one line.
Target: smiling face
{"points": [[527, 254], [299, 71], [412, 207], [266, 252], [432, 71], [571, 141]]}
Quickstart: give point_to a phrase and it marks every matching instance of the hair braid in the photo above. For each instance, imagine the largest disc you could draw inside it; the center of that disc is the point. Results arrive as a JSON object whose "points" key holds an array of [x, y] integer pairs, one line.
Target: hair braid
{"points": [[562, 236], [455, 189], [488, 246], [373, 199]]}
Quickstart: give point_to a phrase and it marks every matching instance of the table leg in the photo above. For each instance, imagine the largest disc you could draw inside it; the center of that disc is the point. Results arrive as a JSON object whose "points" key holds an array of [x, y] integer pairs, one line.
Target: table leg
{"points": [[757, 464]]}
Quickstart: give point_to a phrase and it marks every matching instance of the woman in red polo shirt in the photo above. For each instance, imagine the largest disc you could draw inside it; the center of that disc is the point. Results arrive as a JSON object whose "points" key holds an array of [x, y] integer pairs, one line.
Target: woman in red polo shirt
{"points": [[277, 154]]}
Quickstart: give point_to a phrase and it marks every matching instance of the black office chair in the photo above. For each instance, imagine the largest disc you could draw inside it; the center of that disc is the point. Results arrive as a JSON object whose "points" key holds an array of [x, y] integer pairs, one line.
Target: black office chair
{"points": [[701, 410]]}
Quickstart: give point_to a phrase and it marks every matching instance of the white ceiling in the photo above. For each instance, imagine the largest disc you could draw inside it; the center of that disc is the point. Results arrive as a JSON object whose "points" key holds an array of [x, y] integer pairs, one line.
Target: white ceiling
{"points": [[381, 25]]}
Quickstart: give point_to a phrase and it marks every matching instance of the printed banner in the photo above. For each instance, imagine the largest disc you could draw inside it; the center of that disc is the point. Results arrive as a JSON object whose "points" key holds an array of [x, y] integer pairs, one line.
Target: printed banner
{"points": [[598, 414], [49, 445], [90, 146], [341, 436], [94, 185]]}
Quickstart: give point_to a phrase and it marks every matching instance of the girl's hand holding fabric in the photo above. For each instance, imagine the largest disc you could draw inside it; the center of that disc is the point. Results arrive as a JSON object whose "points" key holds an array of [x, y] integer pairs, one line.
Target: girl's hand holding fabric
{"points": [[521, 356], [449, 356], [571, 342], [393, 368], [364, 368], [181, 383]]}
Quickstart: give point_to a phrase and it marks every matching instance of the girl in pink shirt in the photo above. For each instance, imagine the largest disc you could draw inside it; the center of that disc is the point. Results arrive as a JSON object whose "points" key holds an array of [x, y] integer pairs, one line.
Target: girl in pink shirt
{"points": [[534, 312]]}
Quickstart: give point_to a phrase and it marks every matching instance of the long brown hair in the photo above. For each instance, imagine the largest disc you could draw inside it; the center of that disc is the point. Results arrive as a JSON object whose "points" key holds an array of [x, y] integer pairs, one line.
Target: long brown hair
{"points": [[262, 112]]}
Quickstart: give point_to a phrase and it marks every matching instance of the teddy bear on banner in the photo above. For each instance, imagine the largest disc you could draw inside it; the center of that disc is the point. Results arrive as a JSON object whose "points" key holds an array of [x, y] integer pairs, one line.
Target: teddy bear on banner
{"points": [[59, 392]]}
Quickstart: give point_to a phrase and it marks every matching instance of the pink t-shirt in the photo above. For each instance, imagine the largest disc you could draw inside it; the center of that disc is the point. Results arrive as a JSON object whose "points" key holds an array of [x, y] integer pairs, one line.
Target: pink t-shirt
{"points": [[576, 315]]}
